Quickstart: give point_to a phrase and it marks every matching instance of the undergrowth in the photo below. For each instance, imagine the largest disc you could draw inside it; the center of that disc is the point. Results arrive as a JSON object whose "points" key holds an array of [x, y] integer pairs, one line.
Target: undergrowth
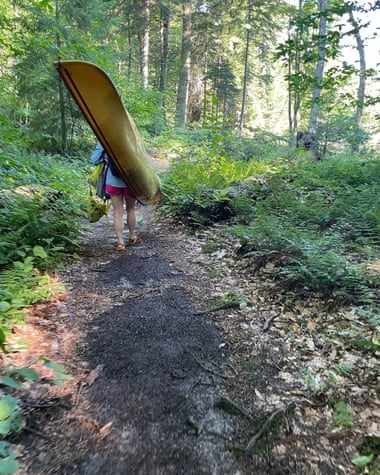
{"points": [[41, 211], [42, 204], [317, 222]]}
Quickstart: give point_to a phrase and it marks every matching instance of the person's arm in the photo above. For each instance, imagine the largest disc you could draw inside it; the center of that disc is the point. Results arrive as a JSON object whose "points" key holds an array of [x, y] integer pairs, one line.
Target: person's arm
{"points": [[97, 154]]}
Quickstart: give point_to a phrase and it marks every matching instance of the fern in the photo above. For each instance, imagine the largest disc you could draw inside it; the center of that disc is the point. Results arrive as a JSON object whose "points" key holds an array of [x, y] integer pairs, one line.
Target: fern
{"points": [[343, 415]]}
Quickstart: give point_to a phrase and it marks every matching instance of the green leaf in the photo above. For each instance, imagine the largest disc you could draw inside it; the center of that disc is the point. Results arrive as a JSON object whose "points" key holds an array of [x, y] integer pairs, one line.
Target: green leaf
{"points": [[28, 373], [6, 449], [7, 406], [39, 251], [45, 4], [362, 460], [5, 427], [8, 467], [3, 339], [366, 344], [52, 365], [17, 422], [11, 382], [60, 377], [4, 306], [63, 377]]}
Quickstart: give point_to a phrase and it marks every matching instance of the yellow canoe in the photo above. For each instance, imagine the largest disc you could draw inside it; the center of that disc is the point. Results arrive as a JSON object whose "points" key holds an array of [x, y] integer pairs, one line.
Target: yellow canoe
{"points": [[100, 103]]}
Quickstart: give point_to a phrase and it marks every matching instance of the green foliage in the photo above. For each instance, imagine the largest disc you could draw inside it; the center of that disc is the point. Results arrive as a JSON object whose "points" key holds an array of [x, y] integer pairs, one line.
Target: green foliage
{"points": [[299, 54], [369, 315], [263, 146], [59, 375], [320, 383], [343, 415], [339, 132], [40, 205], [20, 286], [12, 419], [143, 107], [367, 345], [40, 35], [197, 182], [25, 280], [214, 272], [10, 416], [42, 212], [362, 460], [318, 223], [231, 300], [8, 462], [304, 256], [210, 247], [368, 449], [13, 376]]}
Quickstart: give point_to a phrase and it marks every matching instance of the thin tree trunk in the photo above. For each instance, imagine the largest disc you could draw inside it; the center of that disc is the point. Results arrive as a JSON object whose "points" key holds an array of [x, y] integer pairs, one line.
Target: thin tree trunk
{"points": [[145, 48], [129, 47], [362, 76], [205, 74], [323, 5], [246, 73], [217, 83], [184, 74], [295, 102], [164, 61], [164, 30], [61, 89]]}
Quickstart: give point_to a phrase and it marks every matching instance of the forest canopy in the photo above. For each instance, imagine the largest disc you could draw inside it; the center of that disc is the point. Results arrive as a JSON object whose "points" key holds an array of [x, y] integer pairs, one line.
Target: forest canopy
{"points": [[244, 66]]}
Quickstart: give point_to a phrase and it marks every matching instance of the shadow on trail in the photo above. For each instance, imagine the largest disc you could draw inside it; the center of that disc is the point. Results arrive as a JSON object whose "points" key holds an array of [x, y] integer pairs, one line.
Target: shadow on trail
{"points": [[158, 364]]}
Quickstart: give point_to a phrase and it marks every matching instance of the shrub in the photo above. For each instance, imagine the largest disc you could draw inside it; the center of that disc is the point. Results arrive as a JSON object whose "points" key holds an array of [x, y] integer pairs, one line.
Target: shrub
{"points": [[42, 205]]}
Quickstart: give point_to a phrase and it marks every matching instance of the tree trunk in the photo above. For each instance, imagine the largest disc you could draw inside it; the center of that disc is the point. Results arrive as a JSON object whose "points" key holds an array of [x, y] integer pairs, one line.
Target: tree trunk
{"points": [[294, 106], [145, 47], [184, 73], [129, 44], [323, 5], [61, 89], [205, 76], [164, 34], [246, 73], [362, 77]]}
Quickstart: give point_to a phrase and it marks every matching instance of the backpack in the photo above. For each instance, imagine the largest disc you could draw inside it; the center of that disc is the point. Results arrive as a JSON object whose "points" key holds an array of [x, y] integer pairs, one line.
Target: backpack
{"points": [[98, 178], [112, 168], [101, 183], [97, 204], [97, 181]]}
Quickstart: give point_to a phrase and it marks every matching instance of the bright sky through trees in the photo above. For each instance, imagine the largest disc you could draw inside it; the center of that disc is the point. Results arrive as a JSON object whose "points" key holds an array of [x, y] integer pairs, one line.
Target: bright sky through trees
{"points": [[369, 34]]}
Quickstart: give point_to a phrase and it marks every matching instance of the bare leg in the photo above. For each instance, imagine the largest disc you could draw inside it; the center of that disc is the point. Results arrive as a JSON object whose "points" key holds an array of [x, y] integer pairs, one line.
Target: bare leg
{"points": [[131, 216], [118, 210]]}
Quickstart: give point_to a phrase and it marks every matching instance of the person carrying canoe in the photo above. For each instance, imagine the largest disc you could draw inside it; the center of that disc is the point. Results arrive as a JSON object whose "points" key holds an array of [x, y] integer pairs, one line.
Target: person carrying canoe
{"points": [[118, 192]]}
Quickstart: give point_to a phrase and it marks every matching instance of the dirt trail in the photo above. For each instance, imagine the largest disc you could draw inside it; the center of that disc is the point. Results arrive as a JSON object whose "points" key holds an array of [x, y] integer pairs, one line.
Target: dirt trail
{"points": [[163, 386], [149, 368]]}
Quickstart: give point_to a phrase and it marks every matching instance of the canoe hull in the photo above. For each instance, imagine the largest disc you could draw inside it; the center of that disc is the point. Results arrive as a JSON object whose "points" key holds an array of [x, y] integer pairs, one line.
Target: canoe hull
{"points": [[97, 98]]}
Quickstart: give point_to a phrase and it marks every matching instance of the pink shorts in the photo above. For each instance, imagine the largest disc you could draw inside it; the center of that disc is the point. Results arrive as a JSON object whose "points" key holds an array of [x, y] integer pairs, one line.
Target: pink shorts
{"points": [[114, 190]]}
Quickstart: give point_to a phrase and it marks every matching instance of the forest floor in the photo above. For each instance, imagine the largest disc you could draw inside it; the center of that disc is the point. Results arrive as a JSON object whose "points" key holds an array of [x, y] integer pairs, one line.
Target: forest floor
{"points": [[182, 363]]}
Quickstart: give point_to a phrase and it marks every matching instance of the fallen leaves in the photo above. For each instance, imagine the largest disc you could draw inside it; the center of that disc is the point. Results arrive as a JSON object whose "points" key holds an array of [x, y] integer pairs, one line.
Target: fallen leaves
{"points": [[319, 365]]}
